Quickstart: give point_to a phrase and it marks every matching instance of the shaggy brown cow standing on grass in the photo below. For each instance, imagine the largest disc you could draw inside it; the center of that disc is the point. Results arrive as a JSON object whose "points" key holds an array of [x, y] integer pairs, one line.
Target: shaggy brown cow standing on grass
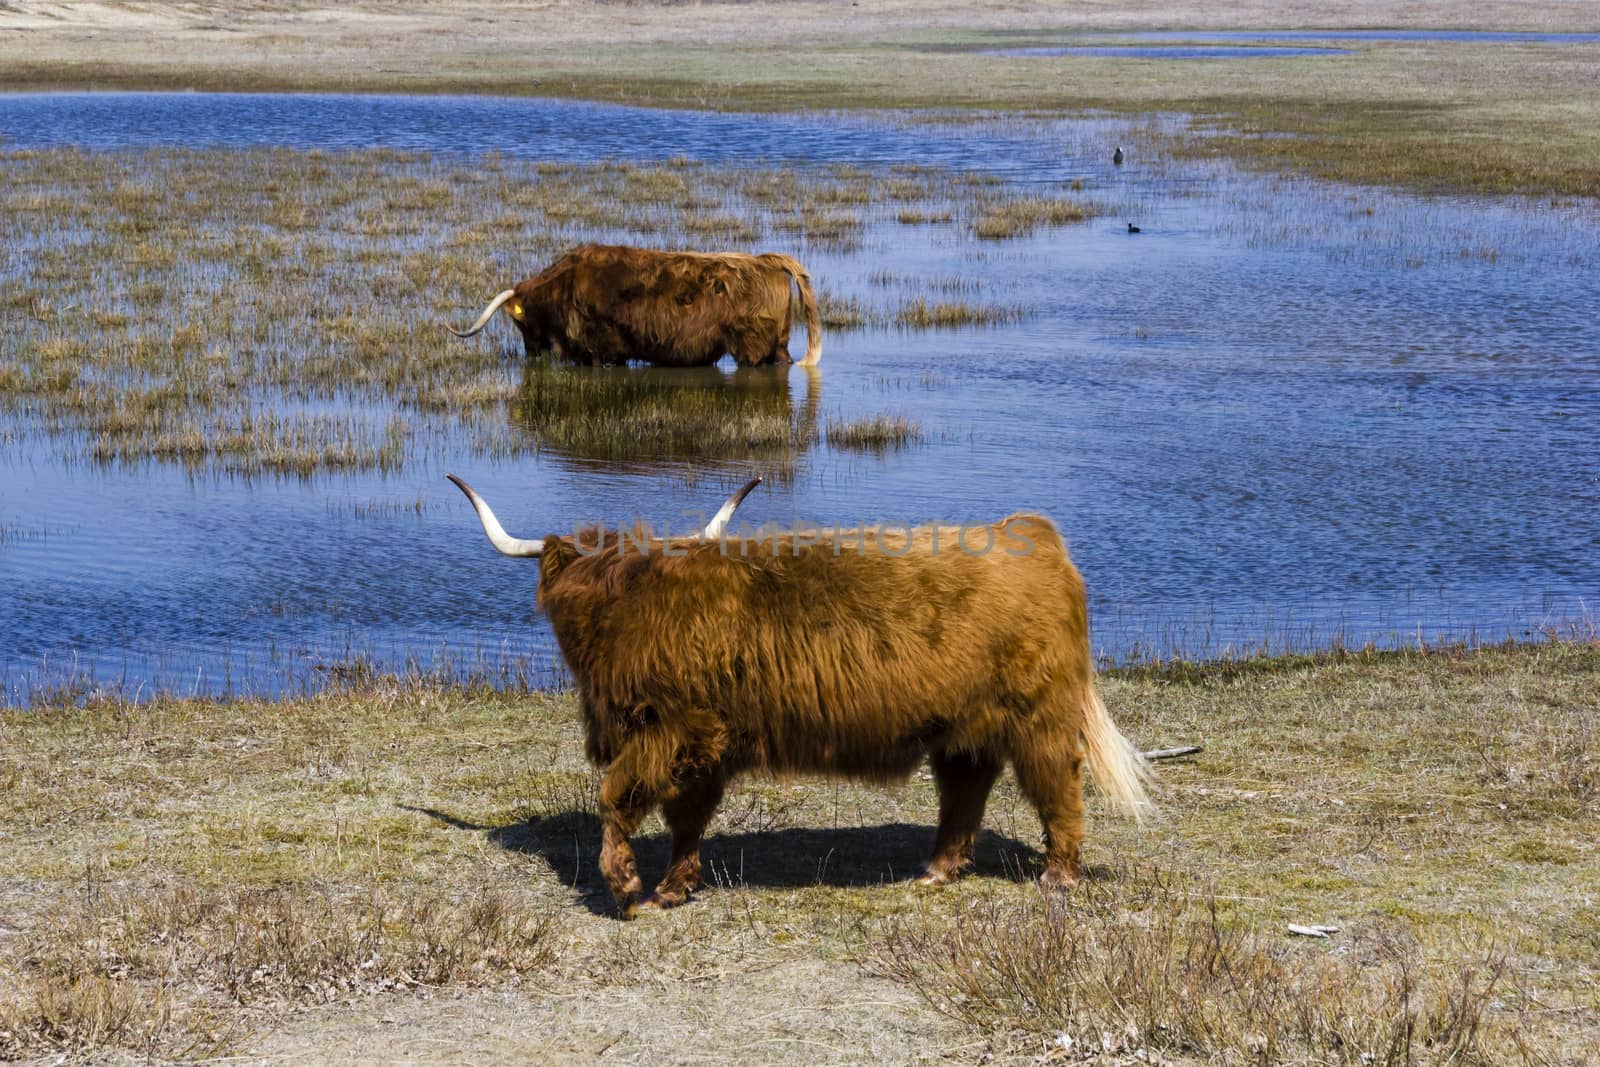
{"points": [[852, 652], [605, 304]]}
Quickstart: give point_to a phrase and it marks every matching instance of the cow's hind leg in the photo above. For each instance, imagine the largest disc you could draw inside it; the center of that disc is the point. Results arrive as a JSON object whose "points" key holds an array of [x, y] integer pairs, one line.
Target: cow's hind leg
{"points": [[1049, 763], [757, 349], [687, 811], [964, 781]]}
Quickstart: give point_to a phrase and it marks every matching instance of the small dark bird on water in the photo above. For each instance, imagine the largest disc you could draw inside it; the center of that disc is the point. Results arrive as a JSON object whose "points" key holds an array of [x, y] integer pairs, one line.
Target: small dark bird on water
{"points": [[1116, 157], [1132, 228]]}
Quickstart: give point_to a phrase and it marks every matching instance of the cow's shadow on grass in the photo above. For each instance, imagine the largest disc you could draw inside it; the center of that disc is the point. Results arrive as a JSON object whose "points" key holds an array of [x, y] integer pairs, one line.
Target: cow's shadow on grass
{"points": [[791, 857]]}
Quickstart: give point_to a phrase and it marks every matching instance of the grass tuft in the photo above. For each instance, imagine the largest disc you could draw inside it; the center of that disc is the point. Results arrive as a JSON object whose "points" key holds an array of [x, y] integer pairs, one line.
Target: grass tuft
{"points": [[169, 969], [1150, 967], [877, 433], [921, 314], [1007, 219]]}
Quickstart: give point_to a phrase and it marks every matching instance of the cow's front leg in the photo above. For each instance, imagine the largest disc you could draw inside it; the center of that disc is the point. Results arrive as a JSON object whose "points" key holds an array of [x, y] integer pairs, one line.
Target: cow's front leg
{"points": [[625, 799], [687, 811]]}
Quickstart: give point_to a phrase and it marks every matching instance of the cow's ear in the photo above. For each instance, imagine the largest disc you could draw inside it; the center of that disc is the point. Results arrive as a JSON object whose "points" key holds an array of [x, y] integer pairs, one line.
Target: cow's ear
{"points": [[719, 287], [558, 553]]}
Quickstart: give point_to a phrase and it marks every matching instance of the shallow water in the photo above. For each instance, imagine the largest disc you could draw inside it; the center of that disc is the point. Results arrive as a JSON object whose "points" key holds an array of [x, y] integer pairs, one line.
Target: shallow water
{"points": [[1164, 51], [1284, 414], [555, 130], [1463, 36]]}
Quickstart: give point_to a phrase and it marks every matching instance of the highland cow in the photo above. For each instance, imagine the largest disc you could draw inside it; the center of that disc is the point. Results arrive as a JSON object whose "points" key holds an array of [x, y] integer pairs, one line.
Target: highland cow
{"points": [[608, 304], [857, 653]]}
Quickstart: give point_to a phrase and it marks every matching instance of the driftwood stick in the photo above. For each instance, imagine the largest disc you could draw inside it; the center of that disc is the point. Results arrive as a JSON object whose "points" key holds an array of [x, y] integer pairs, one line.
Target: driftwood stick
{"points": [[1174, 753], [1312, 931]]}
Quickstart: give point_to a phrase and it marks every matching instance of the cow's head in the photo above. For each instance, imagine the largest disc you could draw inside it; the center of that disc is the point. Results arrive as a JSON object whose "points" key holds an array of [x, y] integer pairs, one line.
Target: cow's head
{"points": [[535, 333]]}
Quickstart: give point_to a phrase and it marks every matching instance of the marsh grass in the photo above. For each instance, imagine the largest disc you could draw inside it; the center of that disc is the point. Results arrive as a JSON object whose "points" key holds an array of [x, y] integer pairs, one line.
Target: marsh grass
{"points": [[922, 314], [876, 434], [269, 312], [184, 874], [1021, 216], [846, 313]]}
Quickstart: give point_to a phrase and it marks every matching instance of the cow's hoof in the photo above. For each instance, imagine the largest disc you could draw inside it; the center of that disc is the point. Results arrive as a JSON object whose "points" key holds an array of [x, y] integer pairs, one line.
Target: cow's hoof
{"points": [[662, 901], [935, 878], [1058, 881], [628, 900]]}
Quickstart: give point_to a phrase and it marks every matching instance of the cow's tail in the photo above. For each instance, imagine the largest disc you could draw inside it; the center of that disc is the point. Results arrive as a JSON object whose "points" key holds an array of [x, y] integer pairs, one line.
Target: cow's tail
{"points": [[808, 304], [1118, 769]]}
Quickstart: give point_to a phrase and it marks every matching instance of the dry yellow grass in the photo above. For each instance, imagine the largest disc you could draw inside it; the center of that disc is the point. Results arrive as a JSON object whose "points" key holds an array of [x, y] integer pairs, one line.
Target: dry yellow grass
{"points": [[188, 876]]}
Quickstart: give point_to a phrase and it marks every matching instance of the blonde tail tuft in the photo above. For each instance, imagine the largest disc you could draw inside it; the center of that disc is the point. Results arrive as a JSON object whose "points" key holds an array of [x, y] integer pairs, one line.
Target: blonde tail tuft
{"points": [[1118, 769]]}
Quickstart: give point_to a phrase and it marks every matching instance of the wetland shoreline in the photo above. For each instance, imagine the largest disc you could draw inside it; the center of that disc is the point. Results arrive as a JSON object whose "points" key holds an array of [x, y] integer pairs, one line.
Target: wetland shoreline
{"points": [[1491, 117], [255, 355]]}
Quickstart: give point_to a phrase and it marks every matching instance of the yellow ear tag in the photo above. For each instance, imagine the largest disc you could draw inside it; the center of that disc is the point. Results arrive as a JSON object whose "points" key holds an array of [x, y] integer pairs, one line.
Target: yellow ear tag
{"points": [[515, 309]]}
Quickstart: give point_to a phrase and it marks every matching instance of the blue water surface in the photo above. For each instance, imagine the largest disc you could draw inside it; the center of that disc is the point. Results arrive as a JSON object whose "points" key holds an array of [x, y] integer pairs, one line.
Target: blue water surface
{"points": [[1285, 413]]}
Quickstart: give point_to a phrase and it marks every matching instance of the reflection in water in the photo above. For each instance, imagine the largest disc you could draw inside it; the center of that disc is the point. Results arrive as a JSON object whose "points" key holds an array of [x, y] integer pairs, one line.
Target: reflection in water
{"points": [[639, 419]]}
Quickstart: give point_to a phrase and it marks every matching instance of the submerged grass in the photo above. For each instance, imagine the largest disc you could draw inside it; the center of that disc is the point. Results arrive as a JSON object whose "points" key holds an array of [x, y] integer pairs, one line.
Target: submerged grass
{"points": [[277, 312], [399, 838]]}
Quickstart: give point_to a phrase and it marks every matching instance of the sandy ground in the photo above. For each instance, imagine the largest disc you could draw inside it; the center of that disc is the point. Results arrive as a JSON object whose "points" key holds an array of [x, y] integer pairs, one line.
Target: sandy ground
{"points": [[843, 1018]]}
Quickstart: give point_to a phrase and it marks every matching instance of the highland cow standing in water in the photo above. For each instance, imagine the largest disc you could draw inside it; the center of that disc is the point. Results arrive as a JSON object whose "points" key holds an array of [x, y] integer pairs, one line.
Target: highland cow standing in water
{"points": [[852, 652], [605, 304]]}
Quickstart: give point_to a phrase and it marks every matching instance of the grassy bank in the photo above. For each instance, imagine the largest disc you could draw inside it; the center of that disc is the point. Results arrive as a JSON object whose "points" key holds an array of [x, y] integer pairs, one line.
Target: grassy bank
{"points": [[1496, 117], [189, 878]]}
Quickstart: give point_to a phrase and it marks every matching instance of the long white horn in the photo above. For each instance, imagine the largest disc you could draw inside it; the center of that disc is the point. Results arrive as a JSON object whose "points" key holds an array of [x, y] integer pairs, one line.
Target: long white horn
{"points": [[508, 545], [488, 312], [719, 521]]}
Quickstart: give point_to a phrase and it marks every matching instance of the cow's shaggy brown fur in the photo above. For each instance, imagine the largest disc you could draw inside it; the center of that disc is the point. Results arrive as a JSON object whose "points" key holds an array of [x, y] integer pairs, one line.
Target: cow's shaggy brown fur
{"points": [[860, 655], [606, 304]]}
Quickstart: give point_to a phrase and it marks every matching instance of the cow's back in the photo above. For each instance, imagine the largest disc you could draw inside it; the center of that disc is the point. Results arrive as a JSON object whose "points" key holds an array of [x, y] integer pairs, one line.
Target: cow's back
{"points": [[850, 655]]}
